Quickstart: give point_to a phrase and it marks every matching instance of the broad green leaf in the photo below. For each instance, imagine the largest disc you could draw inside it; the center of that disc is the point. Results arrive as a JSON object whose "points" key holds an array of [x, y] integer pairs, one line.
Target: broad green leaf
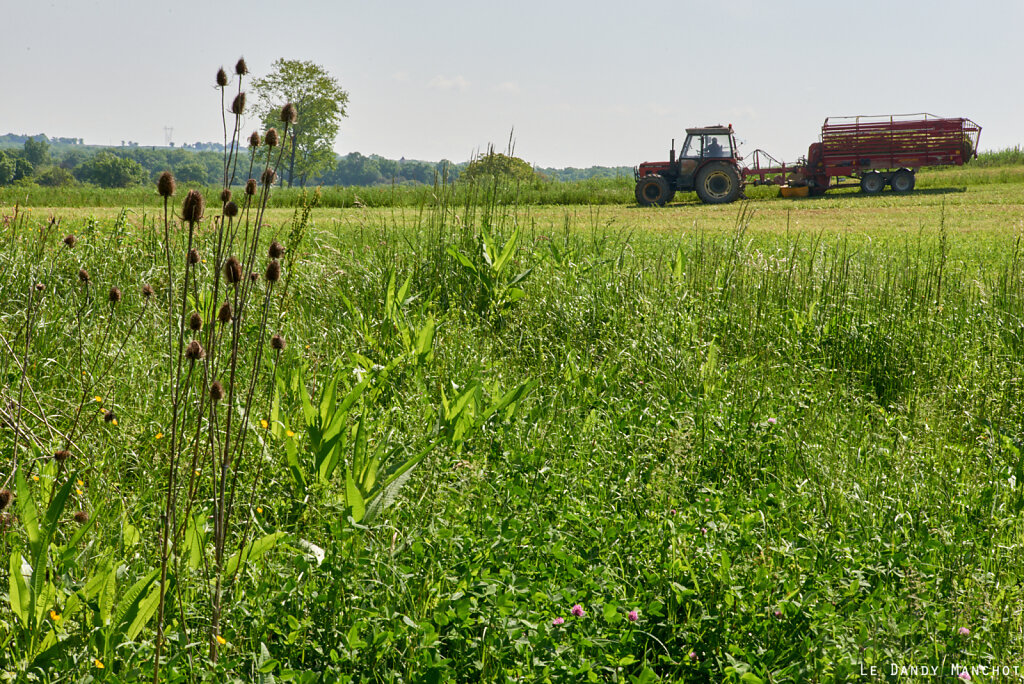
{"points": [[128, 606], [425, 339], [466, 263], [27, 512], [253, 550], [353, 498], [18, 595], [147, 608], [507, 251], [359, 448], [39, 560]]}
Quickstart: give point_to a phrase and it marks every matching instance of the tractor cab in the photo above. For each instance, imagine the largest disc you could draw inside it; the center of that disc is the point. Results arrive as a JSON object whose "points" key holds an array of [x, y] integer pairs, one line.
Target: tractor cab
{"points": [[707, 164]]}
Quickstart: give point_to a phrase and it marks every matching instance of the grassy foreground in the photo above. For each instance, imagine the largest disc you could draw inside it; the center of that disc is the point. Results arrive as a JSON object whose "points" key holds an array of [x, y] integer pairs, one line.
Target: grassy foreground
{"points": [[778, 441]]}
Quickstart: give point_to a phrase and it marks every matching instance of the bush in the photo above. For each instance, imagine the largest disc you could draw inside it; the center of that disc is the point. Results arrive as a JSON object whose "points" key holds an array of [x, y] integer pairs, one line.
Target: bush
{"points": [[110, 171]]}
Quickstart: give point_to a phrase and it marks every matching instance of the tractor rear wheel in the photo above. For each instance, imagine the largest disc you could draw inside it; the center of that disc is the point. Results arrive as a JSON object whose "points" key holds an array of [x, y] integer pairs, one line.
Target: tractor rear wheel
{"points": [[718, 183], [872, 182], [653, 189], [902, 181]]}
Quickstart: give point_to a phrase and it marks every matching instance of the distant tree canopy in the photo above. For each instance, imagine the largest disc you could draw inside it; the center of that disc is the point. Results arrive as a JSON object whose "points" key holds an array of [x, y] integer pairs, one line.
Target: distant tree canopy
{"points": [[111, 171], [495, 165], [320, 103]]}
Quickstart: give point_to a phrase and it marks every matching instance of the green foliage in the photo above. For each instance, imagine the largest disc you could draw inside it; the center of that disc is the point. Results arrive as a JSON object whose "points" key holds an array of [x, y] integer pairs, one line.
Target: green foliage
{"points": [[320, 102], [108, 170], [495, 166], [37, 152]]}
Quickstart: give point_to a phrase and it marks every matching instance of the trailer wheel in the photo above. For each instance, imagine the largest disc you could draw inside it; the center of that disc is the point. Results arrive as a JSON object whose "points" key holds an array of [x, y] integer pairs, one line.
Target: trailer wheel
{"points": [[718, 183], [872, 183], [902, 181], [652, 189]]}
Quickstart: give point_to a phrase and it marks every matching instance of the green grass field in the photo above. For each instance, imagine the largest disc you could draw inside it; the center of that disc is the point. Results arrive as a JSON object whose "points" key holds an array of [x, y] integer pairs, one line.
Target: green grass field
{"points": [[776, 441]]}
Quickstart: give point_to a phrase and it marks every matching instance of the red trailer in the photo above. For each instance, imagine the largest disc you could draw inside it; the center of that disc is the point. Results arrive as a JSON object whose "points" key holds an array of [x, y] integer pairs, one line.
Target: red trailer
{"points": [[873, 151]]}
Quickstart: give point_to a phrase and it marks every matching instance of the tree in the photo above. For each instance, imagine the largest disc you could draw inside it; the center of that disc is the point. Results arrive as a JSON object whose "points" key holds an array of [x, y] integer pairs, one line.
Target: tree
{"points": [[320, 103], [495, 165], [37, 151], [111, 171], [8, 167]]}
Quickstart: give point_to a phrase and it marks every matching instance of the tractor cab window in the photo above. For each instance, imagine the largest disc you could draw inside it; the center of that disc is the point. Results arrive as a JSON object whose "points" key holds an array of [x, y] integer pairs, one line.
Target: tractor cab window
{"points": [[692, 146], [716, 146]]}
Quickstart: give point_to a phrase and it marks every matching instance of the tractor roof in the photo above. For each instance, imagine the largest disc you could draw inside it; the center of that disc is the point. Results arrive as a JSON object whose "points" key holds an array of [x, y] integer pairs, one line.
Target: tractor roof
{"points": [[710, 130]]}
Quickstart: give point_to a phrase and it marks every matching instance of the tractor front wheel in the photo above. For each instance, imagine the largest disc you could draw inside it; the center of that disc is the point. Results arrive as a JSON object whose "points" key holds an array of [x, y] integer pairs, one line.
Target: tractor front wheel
{"points": [[718, 183], [653, 189]]}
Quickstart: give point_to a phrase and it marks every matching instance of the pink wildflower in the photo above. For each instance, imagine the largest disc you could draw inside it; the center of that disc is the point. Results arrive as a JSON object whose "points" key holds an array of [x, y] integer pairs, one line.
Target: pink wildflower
{"points": [[963, 631], [558, 620], [577, 610], [965, 675], [633, 616], [772, 421], [693, 655]]}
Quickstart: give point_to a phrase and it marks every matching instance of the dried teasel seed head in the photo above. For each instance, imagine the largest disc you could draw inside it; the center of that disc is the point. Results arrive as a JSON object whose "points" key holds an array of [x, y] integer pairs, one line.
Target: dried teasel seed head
{"points": [[83, 275], [194, 206], [195, 322], [222, 77], [238, 104], [147, 291], [109, 417], [276, 250], [216, 391], [271, 138], [273, 273], [250, 187], [61, 456], [289, 114], [193, 256], [114, 296], [233, 270], [165, 184], [70, 240], [254, 139], [225, 314], [277, 342], [5, 498], [268, 177], [231, 210], [40, 287], [194, 351], [225, 196], [241, 68], [81, 517], [254, 277]]}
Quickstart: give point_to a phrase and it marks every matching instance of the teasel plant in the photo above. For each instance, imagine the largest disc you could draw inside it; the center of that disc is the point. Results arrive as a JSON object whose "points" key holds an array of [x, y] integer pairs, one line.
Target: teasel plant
{"points": [[217, 372]]}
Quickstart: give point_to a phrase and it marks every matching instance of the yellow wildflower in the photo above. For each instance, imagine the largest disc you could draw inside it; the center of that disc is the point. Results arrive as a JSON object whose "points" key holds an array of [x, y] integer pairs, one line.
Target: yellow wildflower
{"points": [[159, 435], [264, 424], [54, 615], [114, 421], [79, 491], [289, 433], [79, 482], [35, 478], [259, 509], [98, 663], [221, 640], [97, 398]]}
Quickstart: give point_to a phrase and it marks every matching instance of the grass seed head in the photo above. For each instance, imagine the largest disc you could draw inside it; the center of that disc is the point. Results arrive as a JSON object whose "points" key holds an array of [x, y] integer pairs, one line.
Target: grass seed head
{"points": [[277, 342], [216, 391], [195, 322], [250, 187], [61, 456], [222, 77], [114, 296], [238, 105], [289, 114], [273, 273], [165, 185], [225, 314], [83, 275], [194, 206], [70, 241], [268, 177], [81, 517], [5, 498], [233, 270], [276, 250], [271, 138], [241, 68], [194, 351], [254, 139], [231, 210]]}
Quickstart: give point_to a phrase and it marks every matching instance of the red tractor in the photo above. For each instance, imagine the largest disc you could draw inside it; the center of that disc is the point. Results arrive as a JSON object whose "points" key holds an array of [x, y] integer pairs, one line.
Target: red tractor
{"points": [[708, 163]]}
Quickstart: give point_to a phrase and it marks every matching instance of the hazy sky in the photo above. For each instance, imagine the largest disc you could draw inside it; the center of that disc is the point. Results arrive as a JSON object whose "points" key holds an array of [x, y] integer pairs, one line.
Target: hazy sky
{"points": [[582, 83]]}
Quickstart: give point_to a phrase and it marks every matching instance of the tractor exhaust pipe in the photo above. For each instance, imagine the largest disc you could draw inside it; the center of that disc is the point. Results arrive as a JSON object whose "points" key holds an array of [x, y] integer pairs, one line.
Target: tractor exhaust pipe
{"points": [[672, 153]]}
